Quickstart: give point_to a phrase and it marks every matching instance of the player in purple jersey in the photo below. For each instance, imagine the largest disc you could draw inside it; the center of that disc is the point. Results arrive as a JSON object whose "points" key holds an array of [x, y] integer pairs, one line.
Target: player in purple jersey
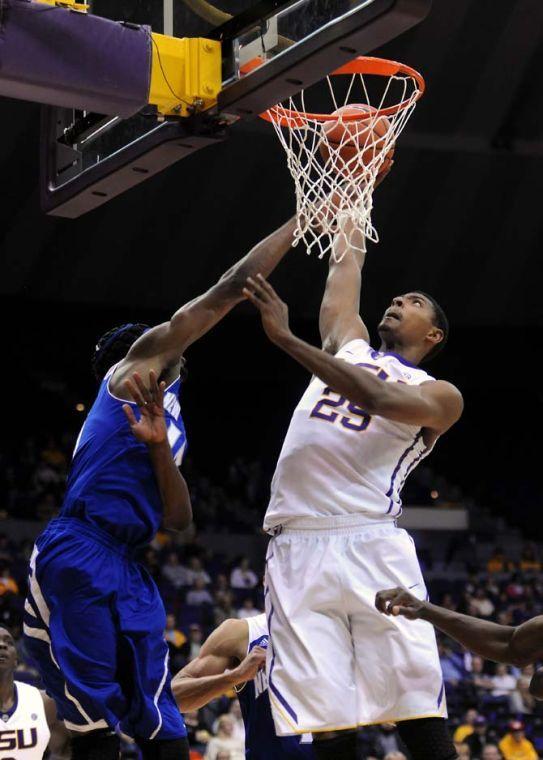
{"points": [[234, 656]]}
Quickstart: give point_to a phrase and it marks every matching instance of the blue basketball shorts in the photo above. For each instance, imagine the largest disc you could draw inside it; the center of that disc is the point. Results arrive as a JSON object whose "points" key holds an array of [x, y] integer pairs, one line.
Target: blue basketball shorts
{"points": [[94, 628]]}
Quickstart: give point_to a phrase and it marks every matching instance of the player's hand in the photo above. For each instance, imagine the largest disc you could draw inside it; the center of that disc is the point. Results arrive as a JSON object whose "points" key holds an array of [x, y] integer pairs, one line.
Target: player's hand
{"points": [[398, 601], [151, 426], [249, 667], [273, 311]]}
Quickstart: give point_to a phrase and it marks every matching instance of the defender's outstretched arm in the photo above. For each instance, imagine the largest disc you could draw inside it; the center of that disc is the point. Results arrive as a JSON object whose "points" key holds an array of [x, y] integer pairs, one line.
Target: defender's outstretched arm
{"points": [[435, 405], [151, 429], [339, 319], [167, 342], [207, 676]]}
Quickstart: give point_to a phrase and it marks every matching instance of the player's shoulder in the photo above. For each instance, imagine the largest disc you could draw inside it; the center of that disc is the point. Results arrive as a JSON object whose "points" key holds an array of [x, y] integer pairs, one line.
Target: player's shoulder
{"points": [[229, 639], [353, 346], [446, 389], [26, 688], [28, 695]]}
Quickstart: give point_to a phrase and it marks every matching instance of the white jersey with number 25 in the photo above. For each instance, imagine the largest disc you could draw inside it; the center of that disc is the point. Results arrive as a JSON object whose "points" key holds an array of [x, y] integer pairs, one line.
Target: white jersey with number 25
{"points": [[339, 460]]}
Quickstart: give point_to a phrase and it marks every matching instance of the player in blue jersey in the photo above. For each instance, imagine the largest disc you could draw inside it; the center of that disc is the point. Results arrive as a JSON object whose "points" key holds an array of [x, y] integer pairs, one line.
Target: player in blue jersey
{"points": [[234, 656], [94, 619]]}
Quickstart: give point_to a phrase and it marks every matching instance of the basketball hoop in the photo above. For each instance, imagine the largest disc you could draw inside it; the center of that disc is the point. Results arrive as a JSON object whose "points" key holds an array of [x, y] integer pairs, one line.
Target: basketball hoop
{"points": [[337, 158]]}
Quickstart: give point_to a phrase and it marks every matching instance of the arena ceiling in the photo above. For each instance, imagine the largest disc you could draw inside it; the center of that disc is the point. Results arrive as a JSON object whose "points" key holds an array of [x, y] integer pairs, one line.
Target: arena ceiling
{"points": [[460, 216]]}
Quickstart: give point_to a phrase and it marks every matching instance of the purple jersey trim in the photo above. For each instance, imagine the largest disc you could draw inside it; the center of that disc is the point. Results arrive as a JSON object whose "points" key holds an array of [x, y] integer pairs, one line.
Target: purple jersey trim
{"points": [[390, 492], [271, 685]]}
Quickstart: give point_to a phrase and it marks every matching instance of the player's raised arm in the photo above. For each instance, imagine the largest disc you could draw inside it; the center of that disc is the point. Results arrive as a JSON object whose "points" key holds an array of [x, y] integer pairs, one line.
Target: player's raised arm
{"points": [[515, 645], [151, 429], [434, 405], [221, 664], [163, 345], [339, 319]]}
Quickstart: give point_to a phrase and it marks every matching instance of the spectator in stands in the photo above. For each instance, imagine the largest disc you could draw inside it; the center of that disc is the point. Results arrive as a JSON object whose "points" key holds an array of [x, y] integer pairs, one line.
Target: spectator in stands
{"points": [[524, 701], [225, 741], [515, 588], [498, 562], [505, 684], [8, 584], [480, 682], [152, 563], [224, 608], [448, 602], [235, 712], [491, 752], [53, 455], [197, 731], [248, 609], [515, 745], [477, 740], [221, 584], [528, 559], [463, 751], [6, 549], [386, 740], [174, 571], [196, 570], [482, 604], [194, 643], [199, 593], [243, 576], [467, 727], [451, 666], [176, 640]]}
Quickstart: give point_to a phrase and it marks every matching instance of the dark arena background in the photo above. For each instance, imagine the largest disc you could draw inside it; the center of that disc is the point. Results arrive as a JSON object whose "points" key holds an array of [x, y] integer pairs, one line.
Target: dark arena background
{"points": [[459, 217]]}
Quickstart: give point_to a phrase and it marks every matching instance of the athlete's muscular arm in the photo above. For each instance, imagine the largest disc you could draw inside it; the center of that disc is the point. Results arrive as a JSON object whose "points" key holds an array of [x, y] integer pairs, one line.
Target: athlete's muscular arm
{"points": [[434, 405], [204, 678], [164, 344], [151, 430], [520, 645], [339, 319]]}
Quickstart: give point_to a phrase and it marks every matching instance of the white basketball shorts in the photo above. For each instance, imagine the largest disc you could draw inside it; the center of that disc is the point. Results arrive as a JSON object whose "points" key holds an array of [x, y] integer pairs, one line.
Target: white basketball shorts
{"points": [[334, 661]]}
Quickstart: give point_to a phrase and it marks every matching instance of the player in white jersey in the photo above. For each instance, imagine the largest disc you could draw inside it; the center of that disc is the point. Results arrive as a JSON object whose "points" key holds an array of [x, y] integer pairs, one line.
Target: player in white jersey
{"points": [[367, 418], [28, 720]]}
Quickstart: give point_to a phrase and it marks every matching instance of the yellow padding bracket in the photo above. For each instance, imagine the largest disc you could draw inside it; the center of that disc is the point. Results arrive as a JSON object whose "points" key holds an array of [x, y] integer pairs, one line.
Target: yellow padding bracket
{"points": [[71, 4], [185, 74]]}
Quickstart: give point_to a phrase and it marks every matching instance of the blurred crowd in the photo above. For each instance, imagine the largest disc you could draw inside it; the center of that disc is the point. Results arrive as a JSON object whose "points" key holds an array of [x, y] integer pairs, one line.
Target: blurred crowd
{"points": [[491, 710], [33, 475]]}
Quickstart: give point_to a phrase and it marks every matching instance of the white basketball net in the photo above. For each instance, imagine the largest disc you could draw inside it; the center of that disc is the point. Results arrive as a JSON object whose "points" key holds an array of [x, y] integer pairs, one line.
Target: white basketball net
{"points": [[334, 191]]}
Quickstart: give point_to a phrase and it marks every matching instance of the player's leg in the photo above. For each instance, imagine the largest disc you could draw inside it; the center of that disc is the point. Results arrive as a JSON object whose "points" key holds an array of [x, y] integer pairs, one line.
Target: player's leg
{"points": [[336, 745], [71, 635], [398, 672], [310, 657], [427, 739], [153, 719]]}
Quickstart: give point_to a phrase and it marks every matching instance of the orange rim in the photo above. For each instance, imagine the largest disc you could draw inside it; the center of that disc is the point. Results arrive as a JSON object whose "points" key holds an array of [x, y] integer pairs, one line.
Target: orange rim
{"points": [[288, 117]]}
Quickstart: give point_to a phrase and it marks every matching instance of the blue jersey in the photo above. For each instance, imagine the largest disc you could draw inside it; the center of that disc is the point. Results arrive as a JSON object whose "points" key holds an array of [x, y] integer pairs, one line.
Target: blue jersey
{"points": [[111, 484], [261, 743]]}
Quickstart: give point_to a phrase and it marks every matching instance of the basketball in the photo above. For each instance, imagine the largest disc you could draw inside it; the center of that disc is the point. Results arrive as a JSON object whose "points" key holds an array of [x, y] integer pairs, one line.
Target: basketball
{"points": [[363, 137]]}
